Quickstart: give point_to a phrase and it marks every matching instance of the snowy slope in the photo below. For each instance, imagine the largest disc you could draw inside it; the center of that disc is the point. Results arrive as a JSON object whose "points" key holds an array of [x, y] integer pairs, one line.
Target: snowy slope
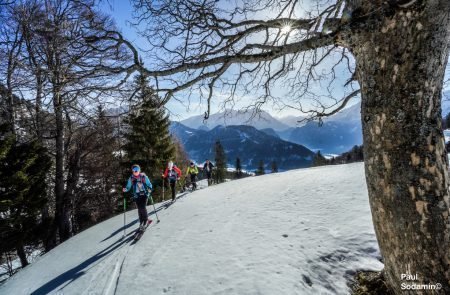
{"points": [[299, 232]]}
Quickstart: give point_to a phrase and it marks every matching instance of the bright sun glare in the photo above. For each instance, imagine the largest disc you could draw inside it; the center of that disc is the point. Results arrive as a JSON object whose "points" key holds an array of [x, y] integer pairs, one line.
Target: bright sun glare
{"points": [[286, 29]]}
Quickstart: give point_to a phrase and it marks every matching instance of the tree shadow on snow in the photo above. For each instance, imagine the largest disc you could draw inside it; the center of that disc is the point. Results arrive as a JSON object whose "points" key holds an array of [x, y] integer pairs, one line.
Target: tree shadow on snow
{"points": [[73, 274]]}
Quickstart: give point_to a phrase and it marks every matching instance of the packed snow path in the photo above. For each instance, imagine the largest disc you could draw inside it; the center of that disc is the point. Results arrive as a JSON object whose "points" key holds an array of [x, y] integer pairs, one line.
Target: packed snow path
{"points": [[298, 232]]}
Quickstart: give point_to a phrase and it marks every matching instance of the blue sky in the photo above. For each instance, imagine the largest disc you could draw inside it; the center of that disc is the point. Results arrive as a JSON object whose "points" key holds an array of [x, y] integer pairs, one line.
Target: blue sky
{"points": [[122, 12]]}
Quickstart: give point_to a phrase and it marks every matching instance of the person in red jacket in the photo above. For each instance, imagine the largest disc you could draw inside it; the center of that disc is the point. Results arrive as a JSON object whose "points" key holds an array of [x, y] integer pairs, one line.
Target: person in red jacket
{"points": [[173, 174]]}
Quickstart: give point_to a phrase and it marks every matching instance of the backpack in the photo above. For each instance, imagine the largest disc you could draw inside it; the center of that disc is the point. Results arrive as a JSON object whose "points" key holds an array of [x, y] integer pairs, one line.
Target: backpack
{"points": [[135, 181], [192, 170], [172, 175]]}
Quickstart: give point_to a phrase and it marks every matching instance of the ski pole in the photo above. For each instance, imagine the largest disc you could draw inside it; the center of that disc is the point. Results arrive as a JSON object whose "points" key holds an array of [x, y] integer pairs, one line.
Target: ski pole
{"points": [[154, 209], [124, 215], [163, 196]]}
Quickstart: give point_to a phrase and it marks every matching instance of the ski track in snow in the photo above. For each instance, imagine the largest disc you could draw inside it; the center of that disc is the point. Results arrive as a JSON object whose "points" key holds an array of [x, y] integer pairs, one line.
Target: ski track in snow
{"points": [[297, 232]]}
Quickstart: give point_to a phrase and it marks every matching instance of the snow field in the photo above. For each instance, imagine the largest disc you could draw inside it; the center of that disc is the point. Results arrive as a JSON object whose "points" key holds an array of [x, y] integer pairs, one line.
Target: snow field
{"points": [[299, 232]]}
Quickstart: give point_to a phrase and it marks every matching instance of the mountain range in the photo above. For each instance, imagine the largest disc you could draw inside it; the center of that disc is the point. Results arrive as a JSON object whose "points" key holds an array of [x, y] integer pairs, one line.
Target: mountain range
{"points": [[263, 137], [338, 133], [259, 120], [246, 142]]}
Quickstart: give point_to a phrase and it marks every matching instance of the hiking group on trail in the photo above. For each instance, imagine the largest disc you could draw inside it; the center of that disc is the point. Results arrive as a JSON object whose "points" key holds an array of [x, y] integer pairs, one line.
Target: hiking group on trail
{"points": [[141, 188]]}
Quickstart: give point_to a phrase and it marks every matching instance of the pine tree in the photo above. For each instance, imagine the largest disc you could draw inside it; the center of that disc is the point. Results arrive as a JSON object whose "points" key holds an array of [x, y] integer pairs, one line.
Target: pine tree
{"points": [[220, 159], [260, 170], [23, 171], [238, 168], [319, 160], [274, 167], [149, 143]]}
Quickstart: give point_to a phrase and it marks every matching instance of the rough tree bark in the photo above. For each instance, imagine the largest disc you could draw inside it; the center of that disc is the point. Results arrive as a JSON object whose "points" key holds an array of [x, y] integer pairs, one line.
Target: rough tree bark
{"points": [[400, 68]]}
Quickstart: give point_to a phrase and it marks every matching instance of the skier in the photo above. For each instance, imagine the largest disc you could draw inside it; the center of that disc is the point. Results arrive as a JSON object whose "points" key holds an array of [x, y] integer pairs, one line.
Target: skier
{"points": [[208, 167], [173, 174], [192, 171], [141, 188]]}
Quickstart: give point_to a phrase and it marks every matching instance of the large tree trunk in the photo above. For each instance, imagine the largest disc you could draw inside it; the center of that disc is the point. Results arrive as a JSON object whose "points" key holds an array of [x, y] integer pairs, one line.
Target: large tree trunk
{"points": [[74, 163], [400, 67], [61, 217], [48, 222], [21, 253]]}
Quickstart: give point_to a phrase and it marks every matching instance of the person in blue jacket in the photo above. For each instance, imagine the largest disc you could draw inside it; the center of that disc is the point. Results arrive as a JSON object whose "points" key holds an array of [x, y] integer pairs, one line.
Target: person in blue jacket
{"points": [[141, 187]]}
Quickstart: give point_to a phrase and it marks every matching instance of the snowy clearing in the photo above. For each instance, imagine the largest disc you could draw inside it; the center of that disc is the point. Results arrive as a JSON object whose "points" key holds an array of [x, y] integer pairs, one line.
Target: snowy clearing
{"points": [[298, 232]]}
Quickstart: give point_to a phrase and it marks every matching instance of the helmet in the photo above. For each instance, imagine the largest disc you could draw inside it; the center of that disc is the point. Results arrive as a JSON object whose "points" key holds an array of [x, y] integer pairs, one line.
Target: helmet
{"points": [[135, 168]]}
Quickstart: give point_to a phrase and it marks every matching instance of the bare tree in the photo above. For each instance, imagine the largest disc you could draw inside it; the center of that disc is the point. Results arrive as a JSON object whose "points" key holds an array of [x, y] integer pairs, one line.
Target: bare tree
{"points": [[70, 57], [68, 71], [397, 52], [11, 48]]}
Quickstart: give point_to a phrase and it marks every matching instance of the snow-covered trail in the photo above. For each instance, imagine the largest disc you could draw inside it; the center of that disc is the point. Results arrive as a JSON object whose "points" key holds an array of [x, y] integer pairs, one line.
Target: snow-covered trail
{"points": [[297, 232]]}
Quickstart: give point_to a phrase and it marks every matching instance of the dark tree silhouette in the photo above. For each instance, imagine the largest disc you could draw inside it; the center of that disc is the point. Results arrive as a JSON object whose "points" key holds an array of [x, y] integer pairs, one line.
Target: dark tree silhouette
{"points": [[238, 168], [221, 162]]}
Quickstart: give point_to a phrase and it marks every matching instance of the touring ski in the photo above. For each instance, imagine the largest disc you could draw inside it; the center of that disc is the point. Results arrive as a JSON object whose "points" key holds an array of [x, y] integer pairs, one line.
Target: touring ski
{"points": [[140, 231]]}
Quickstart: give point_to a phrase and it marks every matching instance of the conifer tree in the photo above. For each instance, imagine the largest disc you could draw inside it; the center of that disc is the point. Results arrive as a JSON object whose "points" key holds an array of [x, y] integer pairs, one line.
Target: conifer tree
{"points": [[274, 167], [149, 143], [319, 160], [221, 161], [23, 170], [238, 168], [260, 170]]}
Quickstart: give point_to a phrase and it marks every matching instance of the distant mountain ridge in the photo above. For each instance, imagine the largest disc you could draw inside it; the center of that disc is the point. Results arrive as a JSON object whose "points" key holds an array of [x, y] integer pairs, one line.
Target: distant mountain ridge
{"points": [[246, 142], [338, 134], [260, 120], [292, 121], [334, 137]]}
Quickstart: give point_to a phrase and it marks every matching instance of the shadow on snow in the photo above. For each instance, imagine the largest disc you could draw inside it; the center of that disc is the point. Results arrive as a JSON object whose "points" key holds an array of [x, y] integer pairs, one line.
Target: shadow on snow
{"points": [[79, 270], [76, 272]]}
